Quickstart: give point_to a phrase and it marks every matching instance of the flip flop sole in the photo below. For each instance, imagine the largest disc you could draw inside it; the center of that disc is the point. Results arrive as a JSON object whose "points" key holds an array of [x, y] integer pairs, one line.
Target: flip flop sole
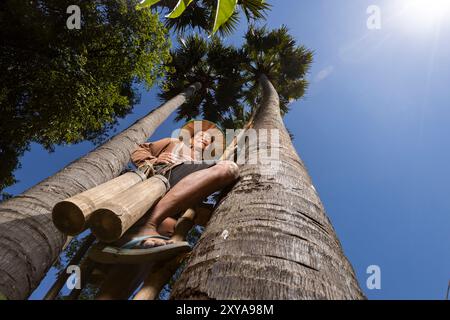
{"points": [[110, 255]]}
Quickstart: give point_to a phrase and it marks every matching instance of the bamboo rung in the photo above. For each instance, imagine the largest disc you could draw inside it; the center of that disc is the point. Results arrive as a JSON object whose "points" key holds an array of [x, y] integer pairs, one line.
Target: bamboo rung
{"points": [[114, 217], [71, 215], [203, 214]]}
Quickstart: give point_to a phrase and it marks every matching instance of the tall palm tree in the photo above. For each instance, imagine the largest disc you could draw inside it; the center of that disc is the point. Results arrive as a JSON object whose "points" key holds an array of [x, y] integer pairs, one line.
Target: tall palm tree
{"points": [[230, 90], [29, 242], [217, 67], [269, 237]]}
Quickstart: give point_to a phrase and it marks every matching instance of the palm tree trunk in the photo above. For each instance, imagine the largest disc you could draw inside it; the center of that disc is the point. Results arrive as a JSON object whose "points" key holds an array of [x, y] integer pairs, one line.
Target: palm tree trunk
{"points": [[29, 242], [269, 237]]}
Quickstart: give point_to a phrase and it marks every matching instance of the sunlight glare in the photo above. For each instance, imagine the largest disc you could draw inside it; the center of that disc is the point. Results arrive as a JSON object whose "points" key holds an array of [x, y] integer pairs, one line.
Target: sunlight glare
{"points": [[424, 13]]}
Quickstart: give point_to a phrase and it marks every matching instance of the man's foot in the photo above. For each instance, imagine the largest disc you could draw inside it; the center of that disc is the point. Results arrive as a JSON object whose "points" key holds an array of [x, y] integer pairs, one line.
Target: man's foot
{"points": [[142, 231]]}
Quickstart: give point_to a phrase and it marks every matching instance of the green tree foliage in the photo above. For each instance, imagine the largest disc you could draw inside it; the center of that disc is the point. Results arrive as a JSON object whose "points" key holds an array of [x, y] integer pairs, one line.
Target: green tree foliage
{"points": [[213, 64], [62, 86], [208, 15], [276, 54], [229, 75]]}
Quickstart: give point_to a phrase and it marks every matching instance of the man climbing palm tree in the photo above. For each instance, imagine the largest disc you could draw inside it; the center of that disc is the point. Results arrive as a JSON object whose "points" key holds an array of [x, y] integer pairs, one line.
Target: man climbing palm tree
{"points": [[192, 174]]}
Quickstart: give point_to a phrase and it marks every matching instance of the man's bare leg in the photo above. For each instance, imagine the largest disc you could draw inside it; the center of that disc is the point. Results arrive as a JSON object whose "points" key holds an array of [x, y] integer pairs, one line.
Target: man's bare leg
{"points": [[185, 194]]}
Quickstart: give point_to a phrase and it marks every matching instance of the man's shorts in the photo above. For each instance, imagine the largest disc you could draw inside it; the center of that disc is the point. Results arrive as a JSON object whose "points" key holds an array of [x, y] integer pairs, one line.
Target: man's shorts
{"points": [[177, 173]]}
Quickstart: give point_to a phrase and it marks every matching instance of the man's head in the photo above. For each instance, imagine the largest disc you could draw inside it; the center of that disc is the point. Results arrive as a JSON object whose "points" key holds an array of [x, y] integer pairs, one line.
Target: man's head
{"points": [[203, 136], [201, 139]]}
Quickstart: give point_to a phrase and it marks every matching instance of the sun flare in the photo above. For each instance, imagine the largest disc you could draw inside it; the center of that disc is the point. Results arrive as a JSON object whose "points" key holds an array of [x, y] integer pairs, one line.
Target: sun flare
{"points": [[426, 12]]}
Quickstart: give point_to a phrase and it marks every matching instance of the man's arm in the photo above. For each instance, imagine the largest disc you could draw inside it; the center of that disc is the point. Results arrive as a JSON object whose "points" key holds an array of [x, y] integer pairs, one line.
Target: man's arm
{"points": [[147, 153]]}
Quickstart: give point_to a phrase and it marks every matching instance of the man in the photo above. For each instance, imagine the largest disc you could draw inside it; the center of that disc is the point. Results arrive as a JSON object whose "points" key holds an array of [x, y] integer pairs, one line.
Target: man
{"points": [[191, 177], [190, 181]]}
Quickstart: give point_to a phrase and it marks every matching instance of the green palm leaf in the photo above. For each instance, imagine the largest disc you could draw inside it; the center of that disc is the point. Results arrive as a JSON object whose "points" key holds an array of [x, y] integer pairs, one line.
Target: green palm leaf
{"points": [[146, 4], [225, 9], [179, 9]]}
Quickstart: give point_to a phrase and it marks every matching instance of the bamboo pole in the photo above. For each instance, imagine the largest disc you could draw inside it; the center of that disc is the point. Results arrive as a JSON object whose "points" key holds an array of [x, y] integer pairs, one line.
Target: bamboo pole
{"points": [[99, 274], [52, 293], [183, 225], [109, 222], [71, 215], [122, 280], [228, 154], [203, 214], [161, 273]]}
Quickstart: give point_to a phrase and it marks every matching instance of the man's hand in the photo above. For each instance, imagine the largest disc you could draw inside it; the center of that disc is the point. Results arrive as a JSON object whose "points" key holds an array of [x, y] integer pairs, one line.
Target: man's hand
{"points": [[167, 158]]}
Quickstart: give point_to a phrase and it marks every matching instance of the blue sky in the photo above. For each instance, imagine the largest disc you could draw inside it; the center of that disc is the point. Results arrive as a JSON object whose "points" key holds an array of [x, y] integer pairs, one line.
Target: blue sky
{"points": [[373, 131]]}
